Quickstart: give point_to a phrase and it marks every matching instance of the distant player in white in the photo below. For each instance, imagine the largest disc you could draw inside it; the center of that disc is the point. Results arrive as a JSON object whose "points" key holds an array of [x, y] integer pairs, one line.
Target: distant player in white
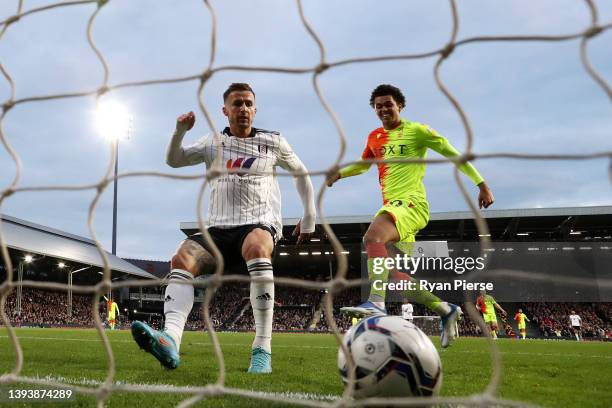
{"points": [[576, 323], [407, 312], [244, 221]]}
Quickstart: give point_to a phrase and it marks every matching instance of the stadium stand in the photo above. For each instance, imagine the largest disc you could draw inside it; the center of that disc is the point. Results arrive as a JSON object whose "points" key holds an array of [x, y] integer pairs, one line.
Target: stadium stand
{"points": [[42, 308], [297, 309]]}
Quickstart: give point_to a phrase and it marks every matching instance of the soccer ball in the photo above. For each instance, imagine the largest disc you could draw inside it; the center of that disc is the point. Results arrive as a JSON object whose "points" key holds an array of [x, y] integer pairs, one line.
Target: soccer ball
{"points": [[393, 358]]}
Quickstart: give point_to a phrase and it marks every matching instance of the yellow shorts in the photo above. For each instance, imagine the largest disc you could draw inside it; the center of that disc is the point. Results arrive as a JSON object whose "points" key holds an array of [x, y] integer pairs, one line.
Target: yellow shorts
{"points": [[521, 327], [409, 216], [490, 318]]}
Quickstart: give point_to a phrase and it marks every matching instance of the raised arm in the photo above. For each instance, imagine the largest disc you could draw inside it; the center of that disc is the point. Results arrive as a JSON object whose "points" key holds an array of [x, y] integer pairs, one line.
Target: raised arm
{"points": [[433, 140], [176, 154], [289, 161], [352, 169]]}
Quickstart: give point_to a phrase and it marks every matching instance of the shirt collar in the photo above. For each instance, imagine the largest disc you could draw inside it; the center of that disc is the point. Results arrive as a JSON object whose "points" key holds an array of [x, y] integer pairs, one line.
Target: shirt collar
{"points": [[228, 132]]}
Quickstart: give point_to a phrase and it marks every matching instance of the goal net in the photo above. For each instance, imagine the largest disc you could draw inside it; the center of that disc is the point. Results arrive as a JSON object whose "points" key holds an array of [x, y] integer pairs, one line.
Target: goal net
{"points": [[431, 325], [106, 60]]}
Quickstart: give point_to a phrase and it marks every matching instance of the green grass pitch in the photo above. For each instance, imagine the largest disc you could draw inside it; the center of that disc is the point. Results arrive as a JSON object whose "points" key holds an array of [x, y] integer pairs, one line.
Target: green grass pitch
{"points": [[546, 373]]}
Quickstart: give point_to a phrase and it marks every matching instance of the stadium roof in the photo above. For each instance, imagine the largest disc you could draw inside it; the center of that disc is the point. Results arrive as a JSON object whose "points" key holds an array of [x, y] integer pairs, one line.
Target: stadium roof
{"points": [[25, 236], [463, 215], [526, 224]]}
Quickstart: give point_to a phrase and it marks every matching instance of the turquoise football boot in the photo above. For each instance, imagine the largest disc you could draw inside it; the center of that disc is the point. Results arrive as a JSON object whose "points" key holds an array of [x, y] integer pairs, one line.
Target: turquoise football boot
{"points": [[261, 361], [158, 343]]}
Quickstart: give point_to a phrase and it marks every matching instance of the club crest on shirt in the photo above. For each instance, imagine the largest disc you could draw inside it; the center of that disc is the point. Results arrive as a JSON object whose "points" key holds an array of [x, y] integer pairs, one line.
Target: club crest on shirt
{"points": [[240, 163]]}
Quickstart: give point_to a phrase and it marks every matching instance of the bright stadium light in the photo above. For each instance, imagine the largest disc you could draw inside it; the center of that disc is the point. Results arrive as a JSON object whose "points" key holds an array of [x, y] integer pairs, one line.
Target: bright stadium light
{"points": [[113, 120], [61, 265], [28, 258]]}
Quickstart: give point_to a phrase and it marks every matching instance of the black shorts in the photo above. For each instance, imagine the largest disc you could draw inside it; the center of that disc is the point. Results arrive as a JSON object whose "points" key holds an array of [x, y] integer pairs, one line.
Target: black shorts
{"points": [[229, 241]]}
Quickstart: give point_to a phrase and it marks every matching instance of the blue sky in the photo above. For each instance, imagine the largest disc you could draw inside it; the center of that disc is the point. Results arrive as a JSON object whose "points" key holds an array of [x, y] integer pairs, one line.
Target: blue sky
{"points": [[519, 97]]}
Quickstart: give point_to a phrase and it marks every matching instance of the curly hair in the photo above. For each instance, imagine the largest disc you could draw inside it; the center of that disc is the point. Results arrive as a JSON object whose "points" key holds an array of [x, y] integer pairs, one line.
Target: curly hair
{"points": [[237, 86], [386, 89]]}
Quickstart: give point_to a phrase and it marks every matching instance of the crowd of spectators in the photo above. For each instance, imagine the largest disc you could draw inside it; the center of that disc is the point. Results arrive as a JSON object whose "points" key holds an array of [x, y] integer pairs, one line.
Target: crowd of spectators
{"points": [[49, 309], [552, 319], [229, 308], [296, 309]]}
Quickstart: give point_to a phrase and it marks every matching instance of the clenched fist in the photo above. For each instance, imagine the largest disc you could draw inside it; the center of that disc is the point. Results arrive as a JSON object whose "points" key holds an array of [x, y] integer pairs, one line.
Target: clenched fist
{"points": [[185, 122]]}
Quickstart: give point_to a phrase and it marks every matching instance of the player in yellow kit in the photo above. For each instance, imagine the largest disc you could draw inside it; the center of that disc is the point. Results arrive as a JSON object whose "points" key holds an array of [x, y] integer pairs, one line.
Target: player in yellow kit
{"points": [[520, 319], [112, 312], [405, 209], [487, 305]]}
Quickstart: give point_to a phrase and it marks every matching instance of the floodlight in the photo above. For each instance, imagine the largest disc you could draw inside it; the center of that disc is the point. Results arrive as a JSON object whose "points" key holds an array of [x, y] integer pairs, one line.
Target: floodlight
{"points": [[113, 120]]}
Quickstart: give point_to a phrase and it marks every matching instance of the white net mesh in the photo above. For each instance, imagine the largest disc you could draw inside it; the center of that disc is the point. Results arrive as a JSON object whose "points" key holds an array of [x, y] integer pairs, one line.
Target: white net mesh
{"points": [[442, 54]]}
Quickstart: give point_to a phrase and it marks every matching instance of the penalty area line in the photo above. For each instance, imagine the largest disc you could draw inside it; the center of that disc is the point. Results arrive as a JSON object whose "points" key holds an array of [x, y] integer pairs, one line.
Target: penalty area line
{"points": [[310, 396]]}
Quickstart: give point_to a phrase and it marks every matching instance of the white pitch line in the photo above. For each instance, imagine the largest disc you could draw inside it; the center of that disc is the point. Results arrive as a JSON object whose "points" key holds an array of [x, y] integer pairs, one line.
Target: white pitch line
{"points": [[524, 353], [287, 394], [131, 341], [484, 351]]}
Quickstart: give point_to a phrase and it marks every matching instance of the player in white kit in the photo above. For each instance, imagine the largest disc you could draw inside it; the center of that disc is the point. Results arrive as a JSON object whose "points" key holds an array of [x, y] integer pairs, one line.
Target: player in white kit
{"points": [[244, 221], [576, 323], [407, 312]]}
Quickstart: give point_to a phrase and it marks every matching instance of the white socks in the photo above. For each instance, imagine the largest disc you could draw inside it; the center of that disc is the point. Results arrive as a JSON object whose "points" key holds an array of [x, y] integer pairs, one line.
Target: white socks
{"points": [[262, 301], [178, 301]]}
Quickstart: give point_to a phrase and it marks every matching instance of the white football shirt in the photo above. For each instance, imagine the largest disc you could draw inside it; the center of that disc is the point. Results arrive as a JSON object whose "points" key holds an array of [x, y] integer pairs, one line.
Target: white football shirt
{"points": [[576, 320], [407, 310], [241, 198]]}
